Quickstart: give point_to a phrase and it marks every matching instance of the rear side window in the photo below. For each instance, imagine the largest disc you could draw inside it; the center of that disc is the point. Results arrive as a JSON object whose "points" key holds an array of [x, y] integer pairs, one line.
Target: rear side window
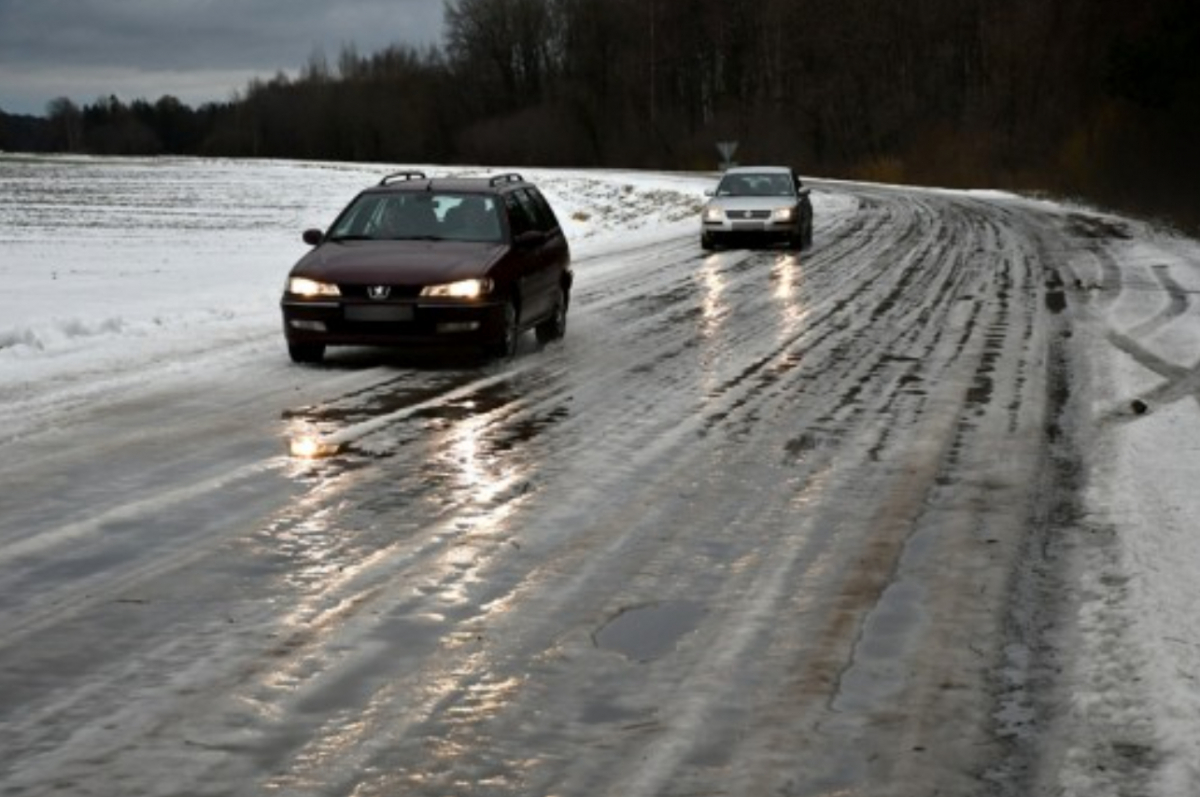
{"points": [[520, 219], [532, 211], [547, 222]]}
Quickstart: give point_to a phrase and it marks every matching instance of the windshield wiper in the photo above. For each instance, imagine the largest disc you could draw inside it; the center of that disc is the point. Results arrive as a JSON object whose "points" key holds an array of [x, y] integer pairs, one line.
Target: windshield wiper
{"points": [[337, 239]]}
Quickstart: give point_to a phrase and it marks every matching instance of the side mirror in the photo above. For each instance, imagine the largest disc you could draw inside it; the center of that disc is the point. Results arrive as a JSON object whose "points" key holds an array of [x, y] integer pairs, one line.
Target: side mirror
{"points": [[313, 237], [710, 192]]}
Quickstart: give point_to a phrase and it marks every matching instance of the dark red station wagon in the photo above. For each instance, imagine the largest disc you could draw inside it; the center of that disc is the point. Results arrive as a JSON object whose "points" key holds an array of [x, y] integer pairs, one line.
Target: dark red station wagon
{"points": [[419, 262]]}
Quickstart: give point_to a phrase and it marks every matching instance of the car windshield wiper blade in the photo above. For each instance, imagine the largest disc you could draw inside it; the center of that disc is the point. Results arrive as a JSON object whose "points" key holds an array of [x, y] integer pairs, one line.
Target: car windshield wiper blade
{"points": [[339, 238]]}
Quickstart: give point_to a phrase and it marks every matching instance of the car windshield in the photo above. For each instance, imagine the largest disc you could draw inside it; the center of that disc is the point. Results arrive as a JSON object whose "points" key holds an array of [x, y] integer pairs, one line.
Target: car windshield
{"points": [[425, 215], [750, 184]]}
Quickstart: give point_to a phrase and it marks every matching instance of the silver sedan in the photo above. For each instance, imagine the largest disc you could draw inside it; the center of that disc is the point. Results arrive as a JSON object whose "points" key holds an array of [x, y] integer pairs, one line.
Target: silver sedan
{"points": [[755, 204]]}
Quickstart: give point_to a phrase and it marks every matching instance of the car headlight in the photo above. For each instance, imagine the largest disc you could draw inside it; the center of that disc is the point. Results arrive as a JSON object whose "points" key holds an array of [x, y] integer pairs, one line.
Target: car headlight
{"points": [[303, 286], [784, 214], [463, 289], [713, 214]]}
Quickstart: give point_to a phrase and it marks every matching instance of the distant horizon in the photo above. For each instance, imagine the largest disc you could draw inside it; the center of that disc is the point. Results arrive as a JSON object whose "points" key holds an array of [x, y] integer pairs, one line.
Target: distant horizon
{"points": [[194, 93], [192, 96]]}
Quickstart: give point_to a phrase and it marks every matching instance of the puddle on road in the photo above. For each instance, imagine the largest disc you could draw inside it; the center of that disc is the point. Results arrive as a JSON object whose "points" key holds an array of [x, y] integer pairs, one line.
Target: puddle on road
{"points": [[394, 394], [482, 401], [878, 670], [315, 434], [644, 633]]}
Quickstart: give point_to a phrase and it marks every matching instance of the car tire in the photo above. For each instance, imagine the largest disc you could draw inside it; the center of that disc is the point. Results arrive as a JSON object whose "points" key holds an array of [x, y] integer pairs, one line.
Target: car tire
{"points": [[505, 346], [306, 352], [554, 327], [707, 243]]}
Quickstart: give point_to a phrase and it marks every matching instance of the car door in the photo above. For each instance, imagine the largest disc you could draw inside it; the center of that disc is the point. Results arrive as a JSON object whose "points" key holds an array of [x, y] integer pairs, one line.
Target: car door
{"points": [[524, 253], [805, 201], [556, 254], [535, 250], [557, 248]]}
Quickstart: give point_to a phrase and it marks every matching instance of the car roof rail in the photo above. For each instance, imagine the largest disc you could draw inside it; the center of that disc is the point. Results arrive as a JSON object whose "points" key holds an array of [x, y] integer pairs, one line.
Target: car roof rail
{"points": [[510, 177], [403, 176]]}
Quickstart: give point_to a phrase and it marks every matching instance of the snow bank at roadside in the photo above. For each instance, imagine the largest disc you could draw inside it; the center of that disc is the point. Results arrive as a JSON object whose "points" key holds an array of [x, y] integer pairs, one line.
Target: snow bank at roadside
{"points": [[1139, 664]]}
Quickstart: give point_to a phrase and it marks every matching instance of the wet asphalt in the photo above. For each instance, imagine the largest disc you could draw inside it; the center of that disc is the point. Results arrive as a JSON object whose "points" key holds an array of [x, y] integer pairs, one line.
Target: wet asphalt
{"points": [[765, 522]]}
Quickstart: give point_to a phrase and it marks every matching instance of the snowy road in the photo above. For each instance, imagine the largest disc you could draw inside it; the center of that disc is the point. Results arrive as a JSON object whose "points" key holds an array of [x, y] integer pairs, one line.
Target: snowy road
{"points": [[762, 524]]}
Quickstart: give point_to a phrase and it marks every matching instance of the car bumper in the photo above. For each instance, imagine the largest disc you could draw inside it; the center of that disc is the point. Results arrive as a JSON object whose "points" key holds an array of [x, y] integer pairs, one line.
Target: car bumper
{"points": [[752, 228], [341, 323]]}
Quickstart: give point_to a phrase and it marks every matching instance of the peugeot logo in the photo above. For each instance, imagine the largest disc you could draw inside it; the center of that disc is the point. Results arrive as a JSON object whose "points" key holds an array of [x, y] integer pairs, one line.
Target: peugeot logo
{"points": [[379, 292]]}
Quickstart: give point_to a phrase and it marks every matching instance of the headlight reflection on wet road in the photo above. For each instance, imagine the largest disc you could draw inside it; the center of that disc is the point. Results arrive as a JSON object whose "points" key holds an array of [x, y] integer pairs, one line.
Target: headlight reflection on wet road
{"points": [[429, 518], [312, 446], [715, 307], [306, 442], [714, 311], [463, 441], [788, 277], [785, 274], [481, 479]]}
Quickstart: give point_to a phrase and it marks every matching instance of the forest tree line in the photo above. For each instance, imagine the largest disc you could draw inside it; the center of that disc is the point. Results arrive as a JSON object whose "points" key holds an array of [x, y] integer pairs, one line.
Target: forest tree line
{"points": [[1093, 98]]}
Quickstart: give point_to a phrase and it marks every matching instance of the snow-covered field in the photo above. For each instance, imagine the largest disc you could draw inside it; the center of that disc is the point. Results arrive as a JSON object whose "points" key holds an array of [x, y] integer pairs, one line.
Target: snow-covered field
{"points": [[120, 269], [112, 262]]}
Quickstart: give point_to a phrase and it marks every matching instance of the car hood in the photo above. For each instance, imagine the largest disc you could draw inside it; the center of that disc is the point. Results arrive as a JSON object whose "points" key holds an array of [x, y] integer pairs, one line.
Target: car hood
{"points": [[398, 262]]}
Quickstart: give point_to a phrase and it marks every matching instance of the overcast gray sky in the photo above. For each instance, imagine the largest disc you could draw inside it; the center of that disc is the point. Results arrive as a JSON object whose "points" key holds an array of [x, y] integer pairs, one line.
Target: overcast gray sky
{"points": [[196, 50]]}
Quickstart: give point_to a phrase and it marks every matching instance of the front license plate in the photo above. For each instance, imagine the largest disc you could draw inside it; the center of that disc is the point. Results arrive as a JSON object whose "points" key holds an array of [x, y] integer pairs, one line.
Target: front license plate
{"points": [[747, 226], [380, 313]]}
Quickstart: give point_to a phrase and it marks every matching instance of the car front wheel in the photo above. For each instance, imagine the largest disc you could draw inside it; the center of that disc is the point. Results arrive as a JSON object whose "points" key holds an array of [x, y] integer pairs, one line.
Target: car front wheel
{"points": [[505, 346], [555, 326]]}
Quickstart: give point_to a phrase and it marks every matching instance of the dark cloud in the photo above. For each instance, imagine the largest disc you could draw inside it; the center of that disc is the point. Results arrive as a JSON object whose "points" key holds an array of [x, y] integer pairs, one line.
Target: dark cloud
{"points": [[197, 50]]}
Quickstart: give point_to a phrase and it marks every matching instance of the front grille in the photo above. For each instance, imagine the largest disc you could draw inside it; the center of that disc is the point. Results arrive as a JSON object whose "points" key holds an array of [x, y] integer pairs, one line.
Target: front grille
{"points": [[749, 214], [396, 291]]}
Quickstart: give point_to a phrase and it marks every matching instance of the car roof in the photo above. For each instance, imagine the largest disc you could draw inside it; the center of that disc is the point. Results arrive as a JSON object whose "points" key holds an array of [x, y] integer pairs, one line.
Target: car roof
{"points": [[413, 181], [759, 170]]}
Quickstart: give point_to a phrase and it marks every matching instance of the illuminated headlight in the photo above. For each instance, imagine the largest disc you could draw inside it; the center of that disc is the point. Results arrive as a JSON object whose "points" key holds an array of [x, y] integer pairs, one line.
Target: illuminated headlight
{"points": [[463, 289], [713, 214], [302, 286], [784, 214]]}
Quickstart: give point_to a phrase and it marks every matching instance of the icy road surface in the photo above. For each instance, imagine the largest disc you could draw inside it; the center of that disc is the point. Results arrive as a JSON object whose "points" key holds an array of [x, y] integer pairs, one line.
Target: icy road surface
{"points": [[763, 524]]}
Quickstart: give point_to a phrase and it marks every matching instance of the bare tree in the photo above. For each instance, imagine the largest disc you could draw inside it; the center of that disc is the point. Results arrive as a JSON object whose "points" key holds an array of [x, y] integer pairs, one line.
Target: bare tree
{"points": [[66, 124]]}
